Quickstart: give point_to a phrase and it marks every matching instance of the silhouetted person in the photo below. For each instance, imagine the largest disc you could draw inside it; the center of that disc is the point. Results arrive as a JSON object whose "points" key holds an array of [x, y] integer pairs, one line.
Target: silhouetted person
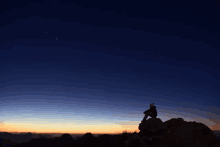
{"points": [[152, 112]]}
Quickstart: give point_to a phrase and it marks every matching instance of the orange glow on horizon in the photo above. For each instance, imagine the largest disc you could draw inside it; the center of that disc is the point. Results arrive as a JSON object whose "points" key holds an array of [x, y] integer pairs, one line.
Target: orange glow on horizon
{"points": [[61, 129], [73, 129], [215, 127]]}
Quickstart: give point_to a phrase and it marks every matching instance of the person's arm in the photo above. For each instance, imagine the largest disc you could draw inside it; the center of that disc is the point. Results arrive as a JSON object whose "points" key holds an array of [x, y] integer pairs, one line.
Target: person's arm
{"points": [[146, 111]]}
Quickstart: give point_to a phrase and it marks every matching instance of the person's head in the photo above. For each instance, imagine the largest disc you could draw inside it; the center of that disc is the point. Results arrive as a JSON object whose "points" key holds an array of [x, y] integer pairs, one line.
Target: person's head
{"points": [[152, 104]]}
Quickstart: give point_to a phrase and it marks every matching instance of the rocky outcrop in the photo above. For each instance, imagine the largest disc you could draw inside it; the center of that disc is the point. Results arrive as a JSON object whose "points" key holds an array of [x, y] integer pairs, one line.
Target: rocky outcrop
{"points": [[151, 127], [176, 132], [190, 134], [216, 144], [173, 122]]}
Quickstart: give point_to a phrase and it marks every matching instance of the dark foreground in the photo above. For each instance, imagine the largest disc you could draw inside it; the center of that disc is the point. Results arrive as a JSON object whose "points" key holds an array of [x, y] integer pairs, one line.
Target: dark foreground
{"points": [[153, 133]]}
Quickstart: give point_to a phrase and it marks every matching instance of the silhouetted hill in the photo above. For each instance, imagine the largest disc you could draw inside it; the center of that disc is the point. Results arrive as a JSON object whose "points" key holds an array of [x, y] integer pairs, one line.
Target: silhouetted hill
{"points": [[9, 139], [87, 140]]}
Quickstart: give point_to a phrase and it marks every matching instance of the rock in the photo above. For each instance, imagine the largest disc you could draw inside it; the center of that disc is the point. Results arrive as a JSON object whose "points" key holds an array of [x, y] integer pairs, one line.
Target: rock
{"points": [[151, 127], [156, 139], [189, 134], [216, 145], [176, 132], [174, 122], [217, 141]]}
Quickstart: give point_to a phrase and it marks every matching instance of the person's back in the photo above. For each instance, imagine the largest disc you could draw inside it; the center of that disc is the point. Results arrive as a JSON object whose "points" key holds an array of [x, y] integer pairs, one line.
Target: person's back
{"points": [[153, 111]]}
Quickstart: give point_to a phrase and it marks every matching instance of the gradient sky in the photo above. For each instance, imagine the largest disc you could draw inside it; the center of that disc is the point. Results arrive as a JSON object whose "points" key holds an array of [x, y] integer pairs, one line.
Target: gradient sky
{"points": [[75, 67]]}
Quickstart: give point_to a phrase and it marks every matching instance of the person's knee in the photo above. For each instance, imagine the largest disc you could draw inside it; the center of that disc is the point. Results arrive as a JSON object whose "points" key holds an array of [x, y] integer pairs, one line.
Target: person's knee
{"points": [[148, 113], [151, 115]]}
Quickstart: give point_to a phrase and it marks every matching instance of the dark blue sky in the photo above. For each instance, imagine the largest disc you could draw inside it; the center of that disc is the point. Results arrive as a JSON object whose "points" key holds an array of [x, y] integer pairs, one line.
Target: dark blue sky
{"points": [[75, 67]]}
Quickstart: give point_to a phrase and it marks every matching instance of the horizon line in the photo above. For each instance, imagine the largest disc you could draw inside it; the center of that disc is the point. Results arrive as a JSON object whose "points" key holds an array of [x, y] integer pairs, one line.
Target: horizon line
{"points": [[70, 133]]}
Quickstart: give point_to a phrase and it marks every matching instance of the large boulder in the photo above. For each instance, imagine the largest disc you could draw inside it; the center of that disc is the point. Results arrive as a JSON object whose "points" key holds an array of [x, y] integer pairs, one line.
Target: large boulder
{"points": [[174, 122], [176, 133], [172, 133], [190, 134], [151, 127], [216, 144]]}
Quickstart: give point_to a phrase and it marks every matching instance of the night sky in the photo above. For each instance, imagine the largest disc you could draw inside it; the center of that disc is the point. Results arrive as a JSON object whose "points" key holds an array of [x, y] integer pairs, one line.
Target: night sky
{"points": [[69, 66]]}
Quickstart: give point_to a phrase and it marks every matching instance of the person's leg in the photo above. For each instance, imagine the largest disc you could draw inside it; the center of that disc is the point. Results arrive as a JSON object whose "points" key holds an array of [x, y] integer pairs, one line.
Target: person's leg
{"points": [[151, 115], [145, 117], [148, 114]]}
